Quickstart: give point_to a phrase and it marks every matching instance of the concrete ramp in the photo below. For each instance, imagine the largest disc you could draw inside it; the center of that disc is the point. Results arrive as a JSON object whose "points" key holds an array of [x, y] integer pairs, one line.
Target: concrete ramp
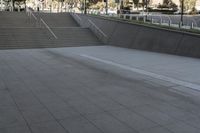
{"points": [[148, 38]]}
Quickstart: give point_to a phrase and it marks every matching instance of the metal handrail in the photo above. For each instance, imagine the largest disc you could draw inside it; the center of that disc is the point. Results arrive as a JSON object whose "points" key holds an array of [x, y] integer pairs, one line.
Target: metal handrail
{"points": [[92, 26], [96, 27], [45, 24], [31, 14], [99, 33], [77, 18]]}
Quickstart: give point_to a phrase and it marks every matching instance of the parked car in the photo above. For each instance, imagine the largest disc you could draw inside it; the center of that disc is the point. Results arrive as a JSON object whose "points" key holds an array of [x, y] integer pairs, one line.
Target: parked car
{"points": [[177, 12]]}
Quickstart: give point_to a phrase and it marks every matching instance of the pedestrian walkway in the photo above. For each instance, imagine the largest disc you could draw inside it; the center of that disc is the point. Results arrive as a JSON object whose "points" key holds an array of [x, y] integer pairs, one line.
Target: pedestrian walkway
{"points": [[64, 91], [85, 86]]}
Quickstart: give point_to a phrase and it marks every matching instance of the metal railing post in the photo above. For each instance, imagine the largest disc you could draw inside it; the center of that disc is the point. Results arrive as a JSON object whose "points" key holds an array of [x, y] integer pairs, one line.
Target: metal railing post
{"points": [[192, 25], [137, 18], [180, 24], [160, 21], [170, 23], [144, 19], [131, 17]]}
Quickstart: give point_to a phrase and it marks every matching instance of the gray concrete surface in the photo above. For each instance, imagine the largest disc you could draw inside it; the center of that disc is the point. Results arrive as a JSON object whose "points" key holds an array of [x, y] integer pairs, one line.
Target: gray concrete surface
{"points": [[176, 67], [96, 89], [61, 91]]}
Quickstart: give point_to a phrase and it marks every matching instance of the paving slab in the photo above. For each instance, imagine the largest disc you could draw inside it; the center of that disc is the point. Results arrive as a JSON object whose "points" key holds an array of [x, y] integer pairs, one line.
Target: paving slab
{"points": [[181, 127], [156, 130], [133, 119], [15, 129], [109, 124], [79, 125], [48, 127]]}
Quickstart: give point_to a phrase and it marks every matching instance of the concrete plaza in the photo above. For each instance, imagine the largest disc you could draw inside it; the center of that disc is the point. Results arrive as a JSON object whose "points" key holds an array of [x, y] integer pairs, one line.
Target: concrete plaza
{"points": [[64, 90], [62, 79]]}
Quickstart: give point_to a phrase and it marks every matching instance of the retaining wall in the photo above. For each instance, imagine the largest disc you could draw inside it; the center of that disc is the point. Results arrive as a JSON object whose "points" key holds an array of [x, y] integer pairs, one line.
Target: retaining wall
{"points": [[136, 36]]}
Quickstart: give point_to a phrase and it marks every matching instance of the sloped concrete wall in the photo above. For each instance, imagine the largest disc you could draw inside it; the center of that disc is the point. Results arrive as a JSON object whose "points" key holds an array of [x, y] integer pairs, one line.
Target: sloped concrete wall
{"points": [[124, 34]]}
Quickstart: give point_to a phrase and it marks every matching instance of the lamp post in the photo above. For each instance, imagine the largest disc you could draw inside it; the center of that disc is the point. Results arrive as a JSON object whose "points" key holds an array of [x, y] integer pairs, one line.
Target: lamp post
{"points": [[85, 11], [106, 7], [182, 10], [146, 4]]}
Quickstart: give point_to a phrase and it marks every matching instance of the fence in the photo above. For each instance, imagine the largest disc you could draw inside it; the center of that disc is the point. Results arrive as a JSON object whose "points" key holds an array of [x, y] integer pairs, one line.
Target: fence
{"points": [[165, 20]]}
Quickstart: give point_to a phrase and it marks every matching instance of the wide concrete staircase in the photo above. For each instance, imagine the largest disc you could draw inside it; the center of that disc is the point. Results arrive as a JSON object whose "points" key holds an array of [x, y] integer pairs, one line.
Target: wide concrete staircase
{"points": [[13, 38], [75, 37], [58, 19], [17, 30], [14, 19]]}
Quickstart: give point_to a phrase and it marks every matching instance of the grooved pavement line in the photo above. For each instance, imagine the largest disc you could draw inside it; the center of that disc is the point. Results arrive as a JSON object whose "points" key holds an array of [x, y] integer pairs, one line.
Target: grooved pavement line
{"points": [[140, 71]]}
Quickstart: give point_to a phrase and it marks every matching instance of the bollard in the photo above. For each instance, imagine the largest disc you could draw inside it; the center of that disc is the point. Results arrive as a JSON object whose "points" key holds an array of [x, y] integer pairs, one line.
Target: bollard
{"points": [[137, 18], [192, 25]]}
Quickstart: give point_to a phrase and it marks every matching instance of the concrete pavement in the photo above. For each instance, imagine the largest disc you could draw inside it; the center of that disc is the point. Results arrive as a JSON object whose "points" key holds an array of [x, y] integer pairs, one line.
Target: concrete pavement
{"points": [[176, 67], [58, 90], [96, 89]]}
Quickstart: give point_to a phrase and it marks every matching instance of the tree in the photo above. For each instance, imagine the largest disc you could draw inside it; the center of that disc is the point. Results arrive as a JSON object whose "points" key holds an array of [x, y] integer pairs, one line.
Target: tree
{"points": [[136, 3], [145, 3], [17, 2], [166, 2], [189, 4]]}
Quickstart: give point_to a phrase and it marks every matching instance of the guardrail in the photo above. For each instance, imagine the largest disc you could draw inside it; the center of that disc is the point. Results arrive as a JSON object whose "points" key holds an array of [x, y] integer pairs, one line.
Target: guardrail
{"points": [[39, 22], [159, 21], [97, 31]]}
